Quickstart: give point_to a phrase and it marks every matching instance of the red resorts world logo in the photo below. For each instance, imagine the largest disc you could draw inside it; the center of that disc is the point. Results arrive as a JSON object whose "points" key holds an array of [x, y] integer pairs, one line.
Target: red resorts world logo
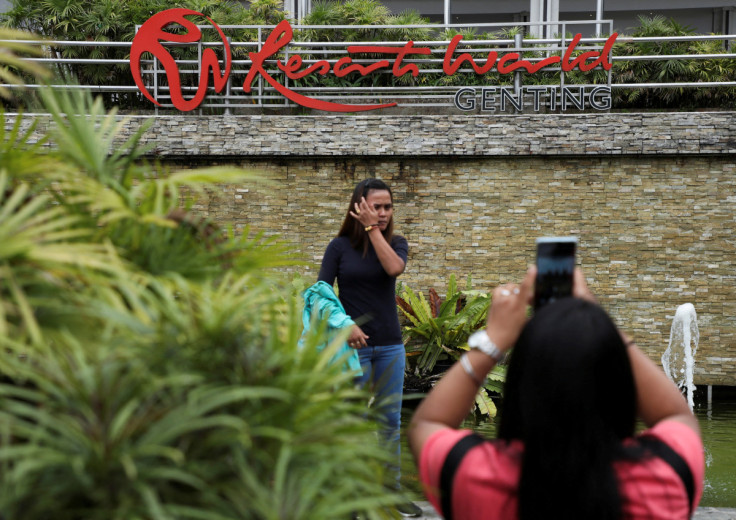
{"points": [[152, 33], [149, 38]]}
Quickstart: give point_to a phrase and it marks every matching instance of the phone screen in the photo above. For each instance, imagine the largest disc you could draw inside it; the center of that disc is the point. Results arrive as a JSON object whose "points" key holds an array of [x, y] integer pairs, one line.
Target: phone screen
{"points": [[555, 266]]}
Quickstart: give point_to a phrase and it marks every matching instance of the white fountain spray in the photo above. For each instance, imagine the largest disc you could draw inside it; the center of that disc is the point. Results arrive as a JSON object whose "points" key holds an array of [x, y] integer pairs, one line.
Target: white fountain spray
{"points": [[678, 360]]}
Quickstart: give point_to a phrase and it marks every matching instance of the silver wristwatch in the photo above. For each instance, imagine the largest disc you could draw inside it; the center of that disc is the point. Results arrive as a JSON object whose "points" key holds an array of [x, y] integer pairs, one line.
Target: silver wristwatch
{"points": [[480, 340]]}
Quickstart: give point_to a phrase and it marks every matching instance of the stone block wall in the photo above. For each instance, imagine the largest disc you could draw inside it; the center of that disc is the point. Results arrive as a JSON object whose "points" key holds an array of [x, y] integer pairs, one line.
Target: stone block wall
{"points": [[655, 232], [650, 196]]}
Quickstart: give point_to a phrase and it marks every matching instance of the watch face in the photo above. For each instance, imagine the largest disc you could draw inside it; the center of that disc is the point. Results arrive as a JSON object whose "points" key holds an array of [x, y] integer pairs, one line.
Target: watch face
{"points": [[476, 339], [480, 340]]}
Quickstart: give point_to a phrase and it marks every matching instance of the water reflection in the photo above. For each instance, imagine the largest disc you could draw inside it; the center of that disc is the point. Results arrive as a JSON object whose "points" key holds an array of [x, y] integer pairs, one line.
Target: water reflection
{"points": [[718, 426]]}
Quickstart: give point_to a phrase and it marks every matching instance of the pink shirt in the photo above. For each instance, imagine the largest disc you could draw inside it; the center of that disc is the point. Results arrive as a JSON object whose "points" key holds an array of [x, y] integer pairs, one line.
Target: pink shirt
{"points": [[486, 481]]}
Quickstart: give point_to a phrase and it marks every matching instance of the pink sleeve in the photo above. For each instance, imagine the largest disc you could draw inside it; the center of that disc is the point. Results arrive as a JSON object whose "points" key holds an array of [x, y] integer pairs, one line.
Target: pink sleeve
{"points": [[433, 456], [688, 445]]}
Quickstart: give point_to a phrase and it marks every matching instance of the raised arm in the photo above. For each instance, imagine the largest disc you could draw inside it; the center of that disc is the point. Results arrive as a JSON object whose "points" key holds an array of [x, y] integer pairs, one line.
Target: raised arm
{"points": [[657, 397], [367, 215], [392, 263]]}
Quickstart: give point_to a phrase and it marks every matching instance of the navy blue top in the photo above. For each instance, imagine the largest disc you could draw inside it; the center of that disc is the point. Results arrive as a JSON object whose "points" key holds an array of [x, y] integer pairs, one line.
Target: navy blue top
{"points": [[366, 291]]}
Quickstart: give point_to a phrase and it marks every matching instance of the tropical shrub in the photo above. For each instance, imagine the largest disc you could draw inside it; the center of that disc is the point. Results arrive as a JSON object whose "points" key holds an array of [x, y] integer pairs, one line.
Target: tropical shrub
{"points": [[439, 329], [204, 410], [666, 70], [150, 364]]}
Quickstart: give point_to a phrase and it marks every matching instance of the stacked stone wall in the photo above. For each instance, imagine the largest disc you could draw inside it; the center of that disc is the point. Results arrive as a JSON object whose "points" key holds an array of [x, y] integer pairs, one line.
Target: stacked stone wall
{"points": [[650, 196]]}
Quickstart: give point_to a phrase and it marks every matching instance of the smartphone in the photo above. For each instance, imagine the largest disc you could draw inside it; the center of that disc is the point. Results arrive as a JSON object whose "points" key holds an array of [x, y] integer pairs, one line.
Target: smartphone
{"points": [[555, 265]]}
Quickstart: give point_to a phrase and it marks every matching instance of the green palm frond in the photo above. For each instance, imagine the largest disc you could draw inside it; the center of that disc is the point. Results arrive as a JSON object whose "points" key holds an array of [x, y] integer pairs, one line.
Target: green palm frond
{"points": [[323, 12], [408, 18], [42, 250], [364, 12], [131, 431], [123, 201], [13, 65], [207, 410], [21, 152], [87, 136]]}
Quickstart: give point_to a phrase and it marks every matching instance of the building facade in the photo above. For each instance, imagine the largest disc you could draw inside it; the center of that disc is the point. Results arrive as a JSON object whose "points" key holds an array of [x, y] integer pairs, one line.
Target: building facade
{"points": [[704, 16]]}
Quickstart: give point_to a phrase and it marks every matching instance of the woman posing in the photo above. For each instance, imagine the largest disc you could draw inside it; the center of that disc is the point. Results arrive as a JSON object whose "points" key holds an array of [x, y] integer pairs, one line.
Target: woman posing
{"points": [[365, 258], [566, 446]]}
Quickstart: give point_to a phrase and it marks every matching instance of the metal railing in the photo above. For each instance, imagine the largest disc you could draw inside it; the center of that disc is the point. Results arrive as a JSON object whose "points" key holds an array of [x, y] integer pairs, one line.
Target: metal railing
{"points": [[431, 87]]}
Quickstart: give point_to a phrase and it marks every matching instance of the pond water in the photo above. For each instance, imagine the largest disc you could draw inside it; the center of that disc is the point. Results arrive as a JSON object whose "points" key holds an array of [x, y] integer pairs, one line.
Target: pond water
{"points": [[718, 426]]}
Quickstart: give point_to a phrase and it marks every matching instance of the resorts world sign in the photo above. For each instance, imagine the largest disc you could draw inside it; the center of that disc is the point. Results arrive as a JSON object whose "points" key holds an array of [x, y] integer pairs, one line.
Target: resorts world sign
{"points": [[153, 32]]}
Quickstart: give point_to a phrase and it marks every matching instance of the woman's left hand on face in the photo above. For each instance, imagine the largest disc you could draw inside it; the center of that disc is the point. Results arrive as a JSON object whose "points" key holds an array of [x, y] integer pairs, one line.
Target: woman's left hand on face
{"points": [[364, 213]]}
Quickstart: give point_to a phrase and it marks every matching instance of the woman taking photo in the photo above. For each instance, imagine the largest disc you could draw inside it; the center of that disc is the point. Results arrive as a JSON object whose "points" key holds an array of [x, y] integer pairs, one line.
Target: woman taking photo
{"points": [[365, 259], [566, 444]]}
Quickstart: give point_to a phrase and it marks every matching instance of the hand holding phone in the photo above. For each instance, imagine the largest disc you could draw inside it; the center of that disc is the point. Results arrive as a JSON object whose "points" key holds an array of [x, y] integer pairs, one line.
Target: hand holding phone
{"points": [[555, 268]]}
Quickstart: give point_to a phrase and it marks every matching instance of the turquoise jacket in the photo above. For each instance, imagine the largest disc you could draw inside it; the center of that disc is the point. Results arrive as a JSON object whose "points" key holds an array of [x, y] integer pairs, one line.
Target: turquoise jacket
{"points": [[321, 303]]}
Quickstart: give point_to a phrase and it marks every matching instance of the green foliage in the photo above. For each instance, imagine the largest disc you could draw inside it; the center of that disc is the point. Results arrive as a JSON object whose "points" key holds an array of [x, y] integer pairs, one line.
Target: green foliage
{"points": [[129, 427], [441, 326], [265, 12], [366, 13], [150, 364], [18, 153], [115, 21], [12, 64], [363, 12], [44, 251], [439, 330], [108, 185], [666, 70]]}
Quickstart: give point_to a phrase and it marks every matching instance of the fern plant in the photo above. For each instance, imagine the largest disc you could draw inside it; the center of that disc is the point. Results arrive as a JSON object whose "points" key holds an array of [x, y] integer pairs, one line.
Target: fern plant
{"points": [[439, 329], [441, 326]]}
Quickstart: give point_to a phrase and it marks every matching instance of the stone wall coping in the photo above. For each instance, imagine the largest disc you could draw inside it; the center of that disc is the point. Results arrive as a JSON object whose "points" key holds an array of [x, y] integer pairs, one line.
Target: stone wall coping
{"points": [[376, 135]]}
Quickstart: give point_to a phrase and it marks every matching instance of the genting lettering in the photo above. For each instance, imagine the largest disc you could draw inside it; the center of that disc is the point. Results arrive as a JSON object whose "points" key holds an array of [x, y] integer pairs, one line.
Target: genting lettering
{"points": [[492, 99], [153, 32]]}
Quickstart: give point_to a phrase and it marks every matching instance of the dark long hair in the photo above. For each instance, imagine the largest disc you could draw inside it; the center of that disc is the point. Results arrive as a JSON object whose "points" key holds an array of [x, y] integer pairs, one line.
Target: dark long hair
{"points": [[570, 398], [352, 228]]}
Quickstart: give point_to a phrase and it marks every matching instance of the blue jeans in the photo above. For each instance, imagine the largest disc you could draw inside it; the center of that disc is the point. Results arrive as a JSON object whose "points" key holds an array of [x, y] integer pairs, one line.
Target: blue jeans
{"points": [[383, 367]]}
